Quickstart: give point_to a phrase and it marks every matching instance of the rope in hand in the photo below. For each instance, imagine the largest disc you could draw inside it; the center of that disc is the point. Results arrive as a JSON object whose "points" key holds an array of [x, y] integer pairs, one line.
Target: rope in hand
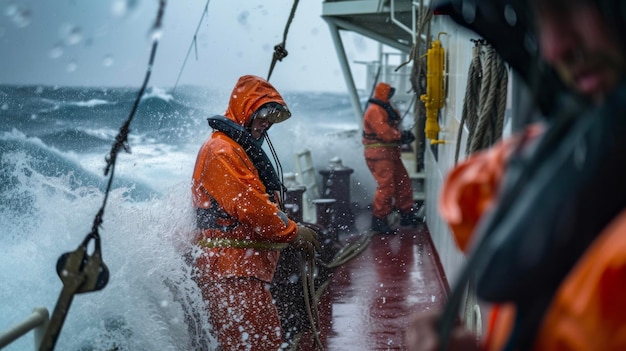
{"points": [[79, 271], [279, 49]]}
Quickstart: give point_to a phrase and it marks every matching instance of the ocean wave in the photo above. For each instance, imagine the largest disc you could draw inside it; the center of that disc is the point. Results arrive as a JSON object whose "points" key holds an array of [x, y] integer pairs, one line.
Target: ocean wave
{"points": [[155, 92], [27, 164], [89, 103], [74, 139]]}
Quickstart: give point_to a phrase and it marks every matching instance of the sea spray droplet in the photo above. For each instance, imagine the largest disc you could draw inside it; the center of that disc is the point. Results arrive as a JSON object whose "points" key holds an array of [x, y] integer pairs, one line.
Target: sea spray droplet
{"points": [[10, 10], [242, 18], [119, 8], [122, 8], [56, 51], [71, 66], [20, 16], [71, 35], [107, 61]]}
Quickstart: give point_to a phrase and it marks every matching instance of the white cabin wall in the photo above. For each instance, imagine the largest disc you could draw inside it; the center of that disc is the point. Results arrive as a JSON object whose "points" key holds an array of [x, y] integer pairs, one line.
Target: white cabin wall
{"points": [[458, 48]]}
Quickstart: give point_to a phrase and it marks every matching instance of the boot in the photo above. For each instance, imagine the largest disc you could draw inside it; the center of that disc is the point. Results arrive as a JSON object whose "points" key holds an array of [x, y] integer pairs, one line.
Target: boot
{"points": [[409, 219], [380, 225]]}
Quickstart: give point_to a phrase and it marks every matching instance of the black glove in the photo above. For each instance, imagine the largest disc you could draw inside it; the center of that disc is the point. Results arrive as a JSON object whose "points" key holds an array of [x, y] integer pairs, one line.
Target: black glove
{"points": [[407, 137]]}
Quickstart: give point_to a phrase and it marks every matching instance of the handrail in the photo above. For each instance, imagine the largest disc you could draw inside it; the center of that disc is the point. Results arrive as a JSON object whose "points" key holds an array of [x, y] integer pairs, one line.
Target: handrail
{"points": [[38, 321], [402, 25]]}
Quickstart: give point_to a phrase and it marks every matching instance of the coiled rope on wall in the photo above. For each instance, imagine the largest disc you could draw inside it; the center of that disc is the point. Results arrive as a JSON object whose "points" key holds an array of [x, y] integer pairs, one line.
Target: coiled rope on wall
{"points": [[485, 100], [483, 112]]}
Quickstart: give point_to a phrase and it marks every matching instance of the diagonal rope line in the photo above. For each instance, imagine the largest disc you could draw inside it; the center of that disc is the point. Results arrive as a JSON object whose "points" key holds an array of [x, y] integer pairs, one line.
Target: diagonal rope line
{"points": [[194, 43], [121, 140], [279, 50]]}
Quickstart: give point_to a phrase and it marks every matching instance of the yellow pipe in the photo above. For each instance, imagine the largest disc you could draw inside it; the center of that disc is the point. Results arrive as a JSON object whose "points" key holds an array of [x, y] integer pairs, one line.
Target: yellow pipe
{"points": [[434, 98]]}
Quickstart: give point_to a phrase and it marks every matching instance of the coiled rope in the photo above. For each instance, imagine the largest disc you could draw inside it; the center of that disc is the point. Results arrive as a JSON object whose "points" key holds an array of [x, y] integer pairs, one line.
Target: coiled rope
{"points": [[312, 296], [485, 100]]}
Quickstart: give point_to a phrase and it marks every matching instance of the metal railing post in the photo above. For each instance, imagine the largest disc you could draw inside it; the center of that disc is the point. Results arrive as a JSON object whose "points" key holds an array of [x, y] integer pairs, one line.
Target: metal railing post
{"points": [[38, 321]]}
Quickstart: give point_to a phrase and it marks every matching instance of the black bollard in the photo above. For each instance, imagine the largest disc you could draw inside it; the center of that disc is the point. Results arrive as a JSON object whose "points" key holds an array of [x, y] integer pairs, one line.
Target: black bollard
{"points": [[293, 203], [336, 185]]}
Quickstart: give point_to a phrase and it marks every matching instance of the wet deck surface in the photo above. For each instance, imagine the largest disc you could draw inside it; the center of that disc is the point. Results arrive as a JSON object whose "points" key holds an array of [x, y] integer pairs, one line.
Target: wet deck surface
{"points": [[370, 299]]}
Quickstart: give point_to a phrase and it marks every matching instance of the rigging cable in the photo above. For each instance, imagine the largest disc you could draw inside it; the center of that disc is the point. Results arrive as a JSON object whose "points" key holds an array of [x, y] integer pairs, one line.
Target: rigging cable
{"points": [[367, 103], [79, 271], [279, 50], [194, 43], [418, 78]]}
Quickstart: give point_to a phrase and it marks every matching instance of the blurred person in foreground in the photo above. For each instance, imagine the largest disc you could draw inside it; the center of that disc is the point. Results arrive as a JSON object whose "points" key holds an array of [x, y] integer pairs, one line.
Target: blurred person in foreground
{"points": [[542, 215], [242, 228], [382, 140]]}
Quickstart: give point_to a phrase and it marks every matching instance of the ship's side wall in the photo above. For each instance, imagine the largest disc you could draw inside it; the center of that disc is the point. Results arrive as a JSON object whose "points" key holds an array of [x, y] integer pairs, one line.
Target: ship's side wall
{"points": [[440, 158]]}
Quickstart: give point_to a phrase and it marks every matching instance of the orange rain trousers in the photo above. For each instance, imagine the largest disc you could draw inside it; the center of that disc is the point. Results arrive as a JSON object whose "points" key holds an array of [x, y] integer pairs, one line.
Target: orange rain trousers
{"points": [[394, 185], [242, 322]]}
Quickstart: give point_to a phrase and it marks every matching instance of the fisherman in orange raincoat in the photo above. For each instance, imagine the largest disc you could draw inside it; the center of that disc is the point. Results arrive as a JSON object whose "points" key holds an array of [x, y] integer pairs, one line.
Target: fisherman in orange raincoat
{"points": [[241, 226], [382, 139]]}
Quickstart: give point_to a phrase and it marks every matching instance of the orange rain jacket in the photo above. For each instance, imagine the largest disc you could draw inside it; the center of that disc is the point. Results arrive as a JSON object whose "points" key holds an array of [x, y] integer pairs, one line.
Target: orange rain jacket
{"points": [[587, 311], [375, 122], [224, 173]]}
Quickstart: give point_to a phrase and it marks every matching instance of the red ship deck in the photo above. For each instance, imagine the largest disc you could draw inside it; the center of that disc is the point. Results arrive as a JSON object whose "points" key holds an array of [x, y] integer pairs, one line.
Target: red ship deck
{"points": [[370, 298]]}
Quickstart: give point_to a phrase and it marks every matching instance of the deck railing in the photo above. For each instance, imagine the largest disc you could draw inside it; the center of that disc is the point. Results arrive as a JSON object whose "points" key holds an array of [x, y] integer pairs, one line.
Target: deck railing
{"points": [[37, 321]]}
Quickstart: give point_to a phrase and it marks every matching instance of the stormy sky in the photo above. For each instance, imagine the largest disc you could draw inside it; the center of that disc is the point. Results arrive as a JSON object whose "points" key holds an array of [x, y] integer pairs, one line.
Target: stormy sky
{"points": [[107, 43]]}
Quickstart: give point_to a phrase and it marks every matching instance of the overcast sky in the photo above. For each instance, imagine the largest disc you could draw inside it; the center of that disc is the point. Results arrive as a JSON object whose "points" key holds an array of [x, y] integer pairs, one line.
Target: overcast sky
{"points": [[106, 43]]}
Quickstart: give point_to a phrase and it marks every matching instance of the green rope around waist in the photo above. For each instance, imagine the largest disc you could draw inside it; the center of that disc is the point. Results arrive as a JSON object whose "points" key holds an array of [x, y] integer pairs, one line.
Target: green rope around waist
{"points": [[380, 145], [240, 244]]}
